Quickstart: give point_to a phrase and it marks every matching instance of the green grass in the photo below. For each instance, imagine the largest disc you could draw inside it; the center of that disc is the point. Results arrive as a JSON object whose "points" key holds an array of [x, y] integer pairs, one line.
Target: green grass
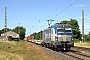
{"points": [[6, 46], [82, 44], [6, 49]]}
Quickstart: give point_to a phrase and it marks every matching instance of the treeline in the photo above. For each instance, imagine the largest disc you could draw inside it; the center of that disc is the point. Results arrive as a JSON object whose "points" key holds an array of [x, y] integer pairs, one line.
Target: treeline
{"points": [[19, 30], [87, 37], [75, 26], [38, 35]]}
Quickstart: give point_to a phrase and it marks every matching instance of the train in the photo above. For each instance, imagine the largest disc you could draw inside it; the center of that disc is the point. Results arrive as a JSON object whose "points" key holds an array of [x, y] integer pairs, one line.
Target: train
{"points": [[58, 37], [30, 38]]}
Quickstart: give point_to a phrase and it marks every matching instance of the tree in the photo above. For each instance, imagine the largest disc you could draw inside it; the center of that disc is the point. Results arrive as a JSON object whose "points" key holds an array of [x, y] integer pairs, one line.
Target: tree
{"points": [[41, 35], [37, 36], [87, 37], [21, 31], [34, 34], [3, 30], [65, 22], [75, 26], [0, 32], [89, 33]]}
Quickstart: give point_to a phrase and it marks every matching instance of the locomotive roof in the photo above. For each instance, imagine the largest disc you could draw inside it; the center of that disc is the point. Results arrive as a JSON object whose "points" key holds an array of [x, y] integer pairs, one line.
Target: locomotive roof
{"points": [[61, 25]]}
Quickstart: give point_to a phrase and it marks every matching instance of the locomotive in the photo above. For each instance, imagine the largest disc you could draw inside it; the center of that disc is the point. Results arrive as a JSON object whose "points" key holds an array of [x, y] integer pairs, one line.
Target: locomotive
{"points": [[58, 37]]}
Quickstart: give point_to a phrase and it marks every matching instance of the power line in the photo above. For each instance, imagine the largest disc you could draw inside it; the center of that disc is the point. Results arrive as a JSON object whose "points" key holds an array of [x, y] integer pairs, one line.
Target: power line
{"points": [[66, 8], [65, 16], [22, 14], [63, 10], [74, 13], [55, 9]]}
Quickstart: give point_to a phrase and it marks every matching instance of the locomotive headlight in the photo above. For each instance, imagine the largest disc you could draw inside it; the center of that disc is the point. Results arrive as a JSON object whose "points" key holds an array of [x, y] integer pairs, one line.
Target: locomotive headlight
{"points": [[68, 43], [72, 38]]}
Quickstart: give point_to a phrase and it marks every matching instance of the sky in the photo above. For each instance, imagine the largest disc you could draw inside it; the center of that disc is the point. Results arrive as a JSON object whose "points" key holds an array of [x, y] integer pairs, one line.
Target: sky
{"points": [[33, 14]]}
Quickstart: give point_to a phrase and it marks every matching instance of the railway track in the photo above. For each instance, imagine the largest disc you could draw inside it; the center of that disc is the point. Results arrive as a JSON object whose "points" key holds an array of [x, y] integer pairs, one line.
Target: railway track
{"points": [[82, 48], [79, 53], [74, 54]]}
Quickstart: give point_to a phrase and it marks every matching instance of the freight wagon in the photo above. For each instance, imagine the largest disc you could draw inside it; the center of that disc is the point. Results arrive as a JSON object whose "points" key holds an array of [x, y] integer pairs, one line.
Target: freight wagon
{"points": [[30, 38], [58, 37]]}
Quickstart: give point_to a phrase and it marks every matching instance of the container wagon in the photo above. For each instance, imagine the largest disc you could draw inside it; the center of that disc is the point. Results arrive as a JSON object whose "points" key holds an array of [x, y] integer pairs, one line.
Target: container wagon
{"points": [[30, 38], [58, 37]]}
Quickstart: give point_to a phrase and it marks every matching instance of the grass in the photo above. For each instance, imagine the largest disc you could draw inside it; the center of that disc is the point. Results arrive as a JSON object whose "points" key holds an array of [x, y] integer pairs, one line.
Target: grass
{"points": [[22, 50], [5, 51], [82, 44]]}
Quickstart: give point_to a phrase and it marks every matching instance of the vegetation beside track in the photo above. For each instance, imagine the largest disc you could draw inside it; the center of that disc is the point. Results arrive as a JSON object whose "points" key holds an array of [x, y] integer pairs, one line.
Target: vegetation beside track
{"points": [[21, 50], [82, 44]]}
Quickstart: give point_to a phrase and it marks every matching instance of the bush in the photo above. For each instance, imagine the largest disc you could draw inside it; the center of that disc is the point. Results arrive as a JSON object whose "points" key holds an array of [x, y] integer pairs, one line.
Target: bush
{"points": [[87, 38], [76, 40]]}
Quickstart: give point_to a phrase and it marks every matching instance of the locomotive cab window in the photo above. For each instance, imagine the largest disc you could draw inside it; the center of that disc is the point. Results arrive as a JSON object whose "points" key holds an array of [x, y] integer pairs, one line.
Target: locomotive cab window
{"points": [[67, 29], [60, 30]]}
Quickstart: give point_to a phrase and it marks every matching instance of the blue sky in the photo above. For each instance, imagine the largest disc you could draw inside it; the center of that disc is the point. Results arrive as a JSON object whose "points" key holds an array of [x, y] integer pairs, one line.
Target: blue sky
{"points": [[33, 14]]}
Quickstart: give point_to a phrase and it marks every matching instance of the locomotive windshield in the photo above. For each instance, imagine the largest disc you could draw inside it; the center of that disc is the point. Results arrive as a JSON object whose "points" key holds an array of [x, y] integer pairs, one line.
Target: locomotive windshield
{"points": [[64, 31], [68, 30]]}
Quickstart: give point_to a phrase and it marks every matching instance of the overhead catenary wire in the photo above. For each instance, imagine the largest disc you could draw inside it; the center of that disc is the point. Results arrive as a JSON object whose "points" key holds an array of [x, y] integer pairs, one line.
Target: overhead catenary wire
{"points": [[22, 14], [68, 15], [71, 14], [66, 9], [75, 13], [56, 16], [55, 9]]}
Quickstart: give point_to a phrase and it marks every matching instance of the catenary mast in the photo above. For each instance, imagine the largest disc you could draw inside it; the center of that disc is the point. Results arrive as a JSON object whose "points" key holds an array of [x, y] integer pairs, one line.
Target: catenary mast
{"points": [[5, 26]]}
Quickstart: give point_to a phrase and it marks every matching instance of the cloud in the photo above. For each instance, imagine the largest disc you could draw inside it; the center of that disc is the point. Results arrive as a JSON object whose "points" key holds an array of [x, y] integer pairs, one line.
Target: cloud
{"points": [[81, 5]]}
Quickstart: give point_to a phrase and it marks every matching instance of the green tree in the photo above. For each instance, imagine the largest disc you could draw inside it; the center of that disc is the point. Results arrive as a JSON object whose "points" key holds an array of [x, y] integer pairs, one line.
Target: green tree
{"points": [[65, 22], [89, 33], [87, 37], [3, 30], [34, 34], [0, 32], [41, 35], [37, 36], [21, 31]]}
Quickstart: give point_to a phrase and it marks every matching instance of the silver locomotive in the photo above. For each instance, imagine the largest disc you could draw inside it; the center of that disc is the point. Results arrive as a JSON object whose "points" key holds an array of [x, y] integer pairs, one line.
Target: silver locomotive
{"points": [[58, 37]]}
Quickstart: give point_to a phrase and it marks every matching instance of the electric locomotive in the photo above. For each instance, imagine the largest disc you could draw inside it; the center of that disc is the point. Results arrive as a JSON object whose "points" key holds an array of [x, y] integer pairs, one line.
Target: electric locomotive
{"points": [[58, 37]]}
